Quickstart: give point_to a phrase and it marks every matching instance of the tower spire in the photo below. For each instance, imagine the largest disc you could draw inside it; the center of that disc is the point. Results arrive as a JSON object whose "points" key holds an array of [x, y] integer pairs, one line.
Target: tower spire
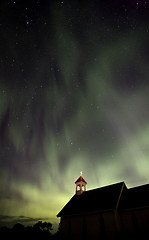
{"points": [[80, 185]]}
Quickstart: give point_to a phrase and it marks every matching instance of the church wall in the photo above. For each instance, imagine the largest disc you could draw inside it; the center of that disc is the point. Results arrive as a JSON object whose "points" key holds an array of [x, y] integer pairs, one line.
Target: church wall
{"points": [[110, 224], [77, 227], [101, 226], [135, 222], [71, 227], [143, 218], [64, 227], [91, 226], [126, 222], [130, 223]]}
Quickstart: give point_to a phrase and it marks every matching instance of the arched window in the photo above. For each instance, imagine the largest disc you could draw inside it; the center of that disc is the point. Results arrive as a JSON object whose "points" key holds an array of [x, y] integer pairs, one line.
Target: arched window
{"points": [[69, 229], [84, 226], [135, 223], [102, 228]]}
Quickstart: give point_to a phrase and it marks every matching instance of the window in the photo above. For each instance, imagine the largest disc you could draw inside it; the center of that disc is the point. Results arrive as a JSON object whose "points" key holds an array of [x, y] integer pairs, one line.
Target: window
{"points": [[69, 228], [84, 226], [102, 228], [135, 223]]}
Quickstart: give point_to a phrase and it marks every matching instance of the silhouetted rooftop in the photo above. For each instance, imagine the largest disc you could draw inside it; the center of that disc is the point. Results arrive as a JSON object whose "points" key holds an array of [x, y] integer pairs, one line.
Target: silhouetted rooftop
{"points": [[107, 198], [135, 197], [96, 200]]}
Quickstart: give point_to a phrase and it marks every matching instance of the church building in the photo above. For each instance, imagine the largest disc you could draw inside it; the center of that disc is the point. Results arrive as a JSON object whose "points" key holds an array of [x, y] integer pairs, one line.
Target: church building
{"points": [[110, 212]]}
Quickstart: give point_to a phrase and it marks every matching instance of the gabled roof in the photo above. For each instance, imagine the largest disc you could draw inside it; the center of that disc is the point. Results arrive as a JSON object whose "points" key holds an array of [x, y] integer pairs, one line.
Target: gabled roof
{"points": [[80, 179], [135, 197], [96, 200]]}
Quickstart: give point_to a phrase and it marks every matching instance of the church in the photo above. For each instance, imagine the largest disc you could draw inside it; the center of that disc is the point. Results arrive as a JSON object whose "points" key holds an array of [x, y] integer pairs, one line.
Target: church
{"points": [[110, 212]]}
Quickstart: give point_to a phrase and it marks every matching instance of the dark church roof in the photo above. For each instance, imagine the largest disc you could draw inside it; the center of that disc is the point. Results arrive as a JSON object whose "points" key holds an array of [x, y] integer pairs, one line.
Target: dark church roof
{"points": [[96, 200], [135, 198]]}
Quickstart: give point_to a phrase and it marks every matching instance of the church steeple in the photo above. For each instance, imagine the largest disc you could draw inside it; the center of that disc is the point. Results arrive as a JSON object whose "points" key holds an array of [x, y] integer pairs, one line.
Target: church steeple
{"points": [[80, 185]]}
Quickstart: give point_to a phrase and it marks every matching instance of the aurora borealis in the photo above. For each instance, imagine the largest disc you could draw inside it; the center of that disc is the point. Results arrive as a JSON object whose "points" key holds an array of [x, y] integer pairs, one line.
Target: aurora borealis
{"points": [[74, 95]]}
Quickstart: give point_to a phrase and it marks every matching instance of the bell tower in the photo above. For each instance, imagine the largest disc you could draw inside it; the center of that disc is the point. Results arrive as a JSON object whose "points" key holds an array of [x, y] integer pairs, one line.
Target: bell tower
{"points": [[80, 185]]}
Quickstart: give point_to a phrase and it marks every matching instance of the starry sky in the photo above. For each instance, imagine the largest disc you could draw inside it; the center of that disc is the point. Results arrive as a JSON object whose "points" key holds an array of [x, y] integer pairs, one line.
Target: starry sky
{"points": [[74, 96]]}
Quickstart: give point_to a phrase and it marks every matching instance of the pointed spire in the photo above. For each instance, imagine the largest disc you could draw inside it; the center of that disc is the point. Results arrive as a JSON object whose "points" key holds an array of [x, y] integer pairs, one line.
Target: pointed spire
{"points": [[80, 185]]}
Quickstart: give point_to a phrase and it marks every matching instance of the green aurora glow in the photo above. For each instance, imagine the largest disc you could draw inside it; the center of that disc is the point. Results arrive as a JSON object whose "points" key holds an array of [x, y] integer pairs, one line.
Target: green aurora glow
{"points": [[77, 102]]}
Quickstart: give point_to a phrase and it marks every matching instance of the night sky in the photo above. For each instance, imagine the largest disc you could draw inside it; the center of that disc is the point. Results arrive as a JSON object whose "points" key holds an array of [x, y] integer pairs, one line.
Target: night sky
{"points": [[74, 96]]}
